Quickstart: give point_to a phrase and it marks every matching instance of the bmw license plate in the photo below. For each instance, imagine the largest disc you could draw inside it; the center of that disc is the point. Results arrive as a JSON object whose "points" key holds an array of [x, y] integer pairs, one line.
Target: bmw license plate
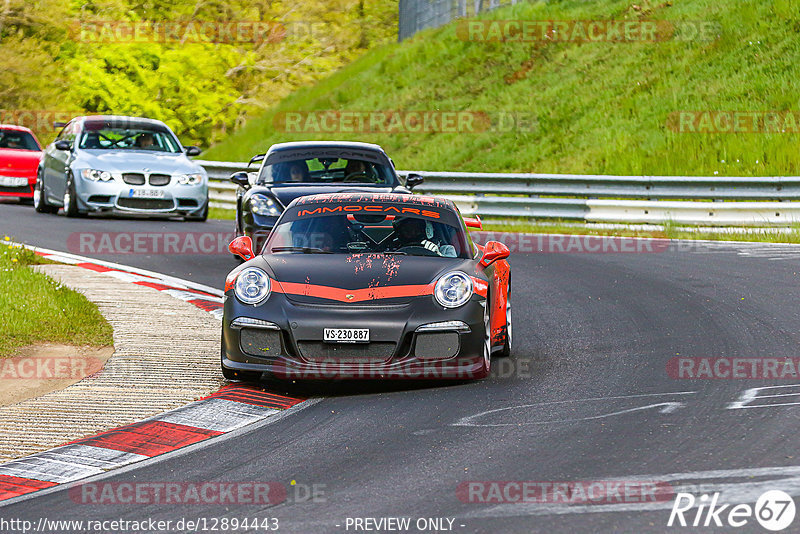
{"points": [[146, 193], [346, 335]]}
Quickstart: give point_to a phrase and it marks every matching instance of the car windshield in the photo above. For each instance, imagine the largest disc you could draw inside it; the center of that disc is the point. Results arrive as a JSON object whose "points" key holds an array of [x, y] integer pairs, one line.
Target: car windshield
{"points": [[128, 137], [327, 169], [15, 139], [349, 233]]}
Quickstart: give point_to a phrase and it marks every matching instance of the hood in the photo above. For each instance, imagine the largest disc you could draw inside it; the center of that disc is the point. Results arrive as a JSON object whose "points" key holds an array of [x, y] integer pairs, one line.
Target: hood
{"points": [[285, 194], [369, 278], [136, 161], [14, 162]]}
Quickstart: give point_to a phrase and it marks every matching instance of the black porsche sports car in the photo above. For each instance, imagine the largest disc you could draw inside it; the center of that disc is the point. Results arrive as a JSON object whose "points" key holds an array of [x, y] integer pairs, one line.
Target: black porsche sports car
{"points": [[367, 285], [291, 170]]}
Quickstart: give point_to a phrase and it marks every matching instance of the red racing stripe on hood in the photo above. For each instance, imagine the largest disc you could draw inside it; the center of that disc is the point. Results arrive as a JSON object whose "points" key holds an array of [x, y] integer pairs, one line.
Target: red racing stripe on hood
{"points": [[357, 295]]}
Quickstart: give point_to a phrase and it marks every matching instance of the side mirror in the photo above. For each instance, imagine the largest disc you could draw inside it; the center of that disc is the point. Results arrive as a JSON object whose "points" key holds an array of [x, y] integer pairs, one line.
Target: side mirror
{"points": [[58, 124], [241, 179], [474, 223], [63, 145], [242, 247], [256, 159], [413, 180], [192, 151], [493, 251]]}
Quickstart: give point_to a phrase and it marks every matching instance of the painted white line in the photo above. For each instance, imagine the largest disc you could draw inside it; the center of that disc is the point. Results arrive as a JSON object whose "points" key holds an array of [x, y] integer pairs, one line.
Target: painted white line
{"points": [[667, 407], [186, 296], [731, 492], [220, 415], [74, 258]]}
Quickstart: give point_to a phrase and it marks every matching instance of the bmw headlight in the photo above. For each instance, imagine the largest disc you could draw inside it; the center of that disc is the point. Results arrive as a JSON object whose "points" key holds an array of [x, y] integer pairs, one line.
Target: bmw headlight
{"points": [[97, 176], [453, 289], [252, 286], [264, 205], [190, 179]]}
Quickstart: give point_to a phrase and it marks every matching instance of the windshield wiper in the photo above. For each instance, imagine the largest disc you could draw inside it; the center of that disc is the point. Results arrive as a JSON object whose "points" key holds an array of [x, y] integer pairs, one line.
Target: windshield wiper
{"points": [[396, 252], [304, 250]]}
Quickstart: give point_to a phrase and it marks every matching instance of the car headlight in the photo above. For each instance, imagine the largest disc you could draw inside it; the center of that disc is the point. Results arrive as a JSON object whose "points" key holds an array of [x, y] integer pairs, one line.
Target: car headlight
{"points": [[252, 286], [453, 289], [97, 176], [264, 205], [190, 179]]}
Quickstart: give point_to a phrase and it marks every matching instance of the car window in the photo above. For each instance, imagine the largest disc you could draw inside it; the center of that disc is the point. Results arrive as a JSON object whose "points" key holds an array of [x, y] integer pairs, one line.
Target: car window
{"points": [[15, 139], [127, 138], [68, 132], [326, 170]]}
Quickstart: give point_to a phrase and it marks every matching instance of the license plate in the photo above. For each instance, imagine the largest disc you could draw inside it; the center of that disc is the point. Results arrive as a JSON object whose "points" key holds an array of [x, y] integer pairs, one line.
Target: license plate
{"points": [[13, 181], [346, 335], [146, 193]]}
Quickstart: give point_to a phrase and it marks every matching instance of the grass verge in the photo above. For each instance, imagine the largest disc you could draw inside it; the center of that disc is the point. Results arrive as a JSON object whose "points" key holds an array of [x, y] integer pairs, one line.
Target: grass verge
{"points": [[38, 309], [599, 107]]}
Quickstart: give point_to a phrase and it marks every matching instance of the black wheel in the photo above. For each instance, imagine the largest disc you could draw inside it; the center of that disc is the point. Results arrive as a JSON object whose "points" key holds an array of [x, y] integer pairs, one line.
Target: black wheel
{"points": [[506, 350], [201, 217], [70, 198], [39, 201]]}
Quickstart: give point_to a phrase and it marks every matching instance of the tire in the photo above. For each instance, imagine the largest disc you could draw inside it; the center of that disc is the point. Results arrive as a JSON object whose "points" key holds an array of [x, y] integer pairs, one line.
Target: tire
{"points": [[486, 368], [70, 198], [202, 217], [39, 201], [505, 352]]}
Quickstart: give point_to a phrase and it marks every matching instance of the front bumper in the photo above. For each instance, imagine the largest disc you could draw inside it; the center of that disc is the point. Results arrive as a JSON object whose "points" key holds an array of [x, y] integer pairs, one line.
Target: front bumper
{"points": [[288, 344], [113, 197], [25, 190]]}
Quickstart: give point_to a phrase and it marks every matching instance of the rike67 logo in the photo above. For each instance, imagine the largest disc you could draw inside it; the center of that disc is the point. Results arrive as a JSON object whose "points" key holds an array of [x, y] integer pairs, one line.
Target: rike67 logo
{"points": [[774, 510]]}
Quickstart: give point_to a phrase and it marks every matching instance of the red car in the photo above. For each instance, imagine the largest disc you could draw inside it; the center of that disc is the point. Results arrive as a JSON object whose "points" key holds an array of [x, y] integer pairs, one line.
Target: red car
{"points": [[20, 153]]}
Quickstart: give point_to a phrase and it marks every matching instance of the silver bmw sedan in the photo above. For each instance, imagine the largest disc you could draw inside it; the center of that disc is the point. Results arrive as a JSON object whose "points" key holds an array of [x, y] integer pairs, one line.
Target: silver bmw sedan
{"points": [[115, 164]]}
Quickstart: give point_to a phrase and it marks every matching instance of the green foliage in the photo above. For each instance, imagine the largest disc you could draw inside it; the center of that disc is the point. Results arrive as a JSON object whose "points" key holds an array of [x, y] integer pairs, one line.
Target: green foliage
{"points": [[38, 309], [66, 56], [600, 107]]}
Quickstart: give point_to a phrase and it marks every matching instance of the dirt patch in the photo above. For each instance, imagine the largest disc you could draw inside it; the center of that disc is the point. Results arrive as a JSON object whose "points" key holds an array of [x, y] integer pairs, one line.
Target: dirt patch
{"points": [[38, 369]]}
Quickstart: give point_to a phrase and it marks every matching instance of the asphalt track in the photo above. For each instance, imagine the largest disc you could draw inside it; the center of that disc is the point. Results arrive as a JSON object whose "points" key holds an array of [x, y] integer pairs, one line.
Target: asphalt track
{"points": [[586, 397]]}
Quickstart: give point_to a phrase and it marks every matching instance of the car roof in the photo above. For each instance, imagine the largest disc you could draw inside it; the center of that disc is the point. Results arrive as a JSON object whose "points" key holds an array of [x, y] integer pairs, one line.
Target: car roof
{"points": [[331, 144], [118, 118], [16, 128], [365, 197]]}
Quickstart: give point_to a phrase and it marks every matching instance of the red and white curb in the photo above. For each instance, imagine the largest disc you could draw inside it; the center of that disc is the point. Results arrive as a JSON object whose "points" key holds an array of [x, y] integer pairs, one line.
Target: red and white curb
{"points": [[231, 408], [204, 297]]}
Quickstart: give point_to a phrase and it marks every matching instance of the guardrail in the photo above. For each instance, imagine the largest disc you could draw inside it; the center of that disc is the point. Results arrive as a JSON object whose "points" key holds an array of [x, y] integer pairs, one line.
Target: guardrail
{"points": [[714, 201]]}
